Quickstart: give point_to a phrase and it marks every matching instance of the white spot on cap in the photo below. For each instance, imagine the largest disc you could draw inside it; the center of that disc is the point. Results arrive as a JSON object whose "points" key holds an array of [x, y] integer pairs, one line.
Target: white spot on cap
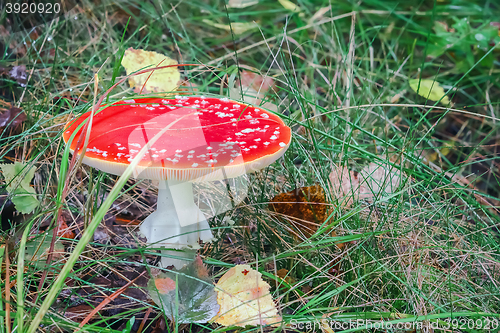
{"points": [[266, 143], [191, 152], [135, 145], [194, 165], [118, 144], [282, 144], [129, 101], [209, 147], [121, 148], [258, 139], [178, 151], [274, 137], [155, 155], [224, 99], [264, 115]]}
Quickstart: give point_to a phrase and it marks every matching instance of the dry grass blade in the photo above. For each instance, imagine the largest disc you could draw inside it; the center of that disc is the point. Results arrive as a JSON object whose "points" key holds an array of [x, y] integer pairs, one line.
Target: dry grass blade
{"points": [[143, 322], [7, 288]]}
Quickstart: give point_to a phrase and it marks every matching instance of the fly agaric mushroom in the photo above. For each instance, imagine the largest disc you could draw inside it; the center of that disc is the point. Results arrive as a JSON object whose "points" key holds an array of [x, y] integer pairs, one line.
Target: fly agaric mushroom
{"points": [[208, 139]]}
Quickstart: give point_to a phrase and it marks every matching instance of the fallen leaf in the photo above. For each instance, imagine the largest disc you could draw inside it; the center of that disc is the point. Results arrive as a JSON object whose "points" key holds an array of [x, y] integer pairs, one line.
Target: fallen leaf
{"points": [[345, 185], [429, 89], [305, 207], [161, 80], [186, 297], [257, 82], [244, 299], [78, 313], [241, 3], [64, 230], [378, 179], [12, 118], [236, 27], [283, 274], [18, 73], [374, 179], [165, 285], [252, 89], [23, 195]]}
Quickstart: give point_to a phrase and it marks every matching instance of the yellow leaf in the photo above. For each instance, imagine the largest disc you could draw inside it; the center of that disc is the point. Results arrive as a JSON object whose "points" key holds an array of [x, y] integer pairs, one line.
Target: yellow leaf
{"points": [[287, 4], [244, 299], [166, 79], [237, 27], [429, 89]]}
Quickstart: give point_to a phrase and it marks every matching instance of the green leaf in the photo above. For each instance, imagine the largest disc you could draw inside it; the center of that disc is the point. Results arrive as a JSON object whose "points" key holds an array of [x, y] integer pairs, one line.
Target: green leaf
{"points": [[429, 89], [186, 296], [23, 195], [24, 201]]}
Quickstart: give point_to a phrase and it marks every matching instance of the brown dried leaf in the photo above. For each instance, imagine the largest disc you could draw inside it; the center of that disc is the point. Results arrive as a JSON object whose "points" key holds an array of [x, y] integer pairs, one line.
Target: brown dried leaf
{"points": [[12, 119], [64, 230], [305, 207], [78, 313]]}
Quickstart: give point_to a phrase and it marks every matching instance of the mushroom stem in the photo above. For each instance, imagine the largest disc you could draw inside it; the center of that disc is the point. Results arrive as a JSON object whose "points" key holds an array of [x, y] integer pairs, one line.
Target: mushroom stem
{"points": [[177, 223]]}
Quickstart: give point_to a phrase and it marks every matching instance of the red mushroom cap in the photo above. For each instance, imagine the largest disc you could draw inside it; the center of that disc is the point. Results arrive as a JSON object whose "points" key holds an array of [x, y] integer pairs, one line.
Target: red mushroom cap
{"points": [[217, 138]]}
